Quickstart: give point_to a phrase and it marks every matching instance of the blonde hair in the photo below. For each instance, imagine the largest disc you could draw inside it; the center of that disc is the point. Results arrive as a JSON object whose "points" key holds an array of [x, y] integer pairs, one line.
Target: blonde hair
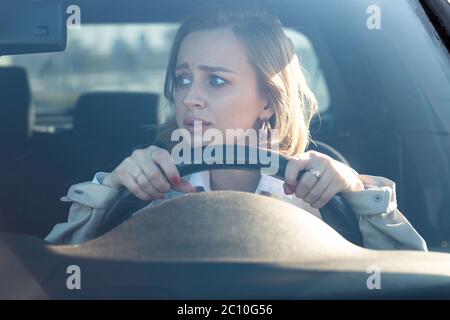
{"points": [[273, 57]]}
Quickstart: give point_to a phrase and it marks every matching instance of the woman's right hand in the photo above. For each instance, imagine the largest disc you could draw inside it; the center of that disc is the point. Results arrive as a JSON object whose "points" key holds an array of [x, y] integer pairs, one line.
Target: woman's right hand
{"points": [[148, 174]]}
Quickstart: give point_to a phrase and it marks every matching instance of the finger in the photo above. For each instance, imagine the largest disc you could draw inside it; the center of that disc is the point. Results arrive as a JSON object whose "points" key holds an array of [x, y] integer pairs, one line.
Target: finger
{"points": [[156, 177], [288, 189], [152, 171], [134, 188], [163, 159], [160, 181], [319, 187], [132, 168], [185, 186], [327, 195], [294, 166], [308, 180], [146, 185], [305, 185]]}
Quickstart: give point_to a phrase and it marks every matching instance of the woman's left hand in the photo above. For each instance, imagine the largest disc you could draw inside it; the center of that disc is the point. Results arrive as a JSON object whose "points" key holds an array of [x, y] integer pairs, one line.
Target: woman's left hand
{"points": [[323, 179]]}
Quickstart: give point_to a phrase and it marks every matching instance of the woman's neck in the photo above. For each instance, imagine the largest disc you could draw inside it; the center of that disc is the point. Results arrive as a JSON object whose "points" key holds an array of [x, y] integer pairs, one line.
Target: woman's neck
{"points": [[237, 180]]}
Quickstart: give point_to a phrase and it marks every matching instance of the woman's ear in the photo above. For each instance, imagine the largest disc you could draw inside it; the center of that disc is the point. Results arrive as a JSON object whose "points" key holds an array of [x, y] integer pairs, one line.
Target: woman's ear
{"points": [[267, 111]]}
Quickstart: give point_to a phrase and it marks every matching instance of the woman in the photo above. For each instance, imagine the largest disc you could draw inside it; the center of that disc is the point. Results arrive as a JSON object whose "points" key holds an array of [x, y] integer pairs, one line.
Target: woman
{"points": [[234, 68]]}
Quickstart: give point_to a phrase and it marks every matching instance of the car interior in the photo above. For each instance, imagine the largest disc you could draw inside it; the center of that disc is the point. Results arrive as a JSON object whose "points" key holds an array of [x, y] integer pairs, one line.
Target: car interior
{"points": [[356, 120], [383, 110]]}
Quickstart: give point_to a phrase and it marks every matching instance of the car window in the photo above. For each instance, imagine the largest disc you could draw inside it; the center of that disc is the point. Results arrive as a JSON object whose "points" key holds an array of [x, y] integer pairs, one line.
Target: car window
{"points": [[119, 57]]}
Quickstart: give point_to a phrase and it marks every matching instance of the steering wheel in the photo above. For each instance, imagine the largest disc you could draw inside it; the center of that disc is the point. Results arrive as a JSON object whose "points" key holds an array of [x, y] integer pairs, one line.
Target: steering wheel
{"points": [[337, 212]]}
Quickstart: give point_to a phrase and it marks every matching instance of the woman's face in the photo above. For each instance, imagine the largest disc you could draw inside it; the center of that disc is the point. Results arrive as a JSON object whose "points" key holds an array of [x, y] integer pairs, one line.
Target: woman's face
{"points": [[216, 84]]}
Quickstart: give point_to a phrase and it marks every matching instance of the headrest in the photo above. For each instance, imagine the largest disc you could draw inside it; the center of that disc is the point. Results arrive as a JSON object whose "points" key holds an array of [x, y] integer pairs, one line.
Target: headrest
{"points": [[115, 114], [15, 99]]}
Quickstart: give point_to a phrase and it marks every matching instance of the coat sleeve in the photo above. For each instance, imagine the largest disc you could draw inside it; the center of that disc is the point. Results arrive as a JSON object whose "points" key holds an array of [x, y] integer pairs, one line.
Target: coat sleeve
{"points": [[382, 225], [90, 202]]}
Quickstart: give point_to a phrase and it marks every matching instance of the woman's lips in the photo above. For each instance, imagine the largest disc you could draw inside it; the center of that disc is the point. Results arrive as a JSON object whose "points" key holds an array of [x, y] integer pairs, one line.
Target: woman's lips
{"points": [[192, 123]]}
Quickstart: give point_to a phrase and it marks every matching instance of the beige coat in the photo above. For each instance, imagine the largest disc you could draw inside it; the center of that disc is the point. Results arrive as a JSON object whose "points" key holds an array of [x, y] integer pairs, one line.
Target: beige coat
{"points": [[382, 225]]}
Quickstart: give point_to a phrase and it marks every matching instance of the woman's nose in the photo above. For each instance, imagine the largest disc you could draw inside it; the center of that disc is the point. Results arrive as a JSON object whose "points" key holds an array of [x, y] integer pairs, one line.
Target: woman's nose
{"points": [[193, 99]]}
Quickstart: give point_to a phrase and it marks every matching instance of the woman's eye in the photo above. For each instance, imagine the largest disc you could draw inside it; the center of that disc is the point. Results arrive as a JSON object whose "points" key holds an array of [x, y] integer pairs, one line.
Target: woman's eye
{"points": [[216, 81], [182, 81]]}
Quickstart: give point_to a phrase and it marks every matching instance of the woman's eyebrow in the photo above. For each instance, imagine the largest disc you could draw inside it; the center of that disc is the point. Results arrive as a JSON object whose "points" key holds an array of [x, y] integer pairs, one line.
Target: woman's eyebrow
{"points": [[205, 68], [215, 69], [182, 66]]}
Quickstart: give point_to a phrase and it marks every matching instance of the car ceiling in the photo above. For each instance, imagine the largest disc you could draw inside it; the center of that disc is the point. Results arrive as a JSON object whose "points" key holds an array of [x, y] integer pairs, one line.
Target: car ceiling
{"points": [[140, 11]]}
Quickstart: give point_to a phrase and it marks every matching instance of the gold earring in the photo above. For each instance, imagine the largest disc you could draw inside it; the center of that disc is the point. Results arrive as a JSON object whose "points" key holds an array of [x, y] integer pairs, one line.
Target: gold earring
{"points": [[267, 127]]}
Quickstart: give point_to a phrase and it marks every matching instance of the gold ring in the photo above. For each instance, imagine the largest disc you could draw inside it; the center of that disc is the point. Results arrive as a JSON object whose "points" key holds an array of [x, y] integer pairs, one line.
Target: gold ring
{"points": [[314, 172], [138, 175]]}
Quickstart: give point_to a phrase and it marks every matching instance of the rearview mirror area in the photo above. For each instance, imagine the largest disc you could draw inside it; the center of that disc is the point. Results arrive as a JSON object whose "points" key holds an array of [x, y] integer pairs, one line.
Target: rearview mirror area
{"points": [[32, 26]]}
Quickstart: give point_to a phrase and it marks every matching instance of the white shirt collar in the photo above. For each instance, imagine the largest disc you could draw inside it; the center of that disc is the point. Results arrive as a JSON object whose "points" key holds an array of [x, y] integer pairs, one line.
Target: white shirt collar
{"points": [[267, 184]]}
